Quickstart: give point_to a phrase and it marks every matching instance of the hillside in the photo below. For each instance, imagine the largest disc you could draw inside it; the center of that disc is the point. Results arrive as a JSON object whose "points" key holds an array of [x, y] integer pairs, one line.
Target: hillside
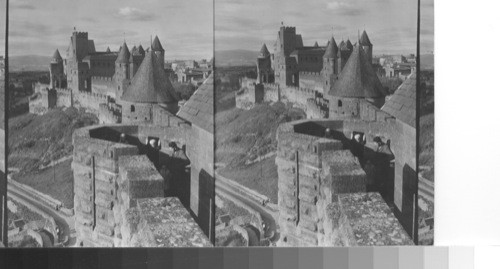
{"points": [[244, 135], [36, 141], [236, 57], [29, 63]]}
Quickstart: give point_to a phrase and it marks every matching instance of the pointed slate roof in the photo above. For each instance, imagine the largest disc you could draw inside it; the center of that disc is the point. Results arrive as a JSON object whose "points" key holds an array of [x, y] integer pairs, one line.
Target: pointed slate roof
{"points": [[141, 50], [357, 79], [403, 103], [364, 40], [341, 44], [264, 52], [150, 84], [108, 50], [199, 109], [348, 45], [123, 55], [57, 56], [331, 49], [316, 44], [157, 45]]}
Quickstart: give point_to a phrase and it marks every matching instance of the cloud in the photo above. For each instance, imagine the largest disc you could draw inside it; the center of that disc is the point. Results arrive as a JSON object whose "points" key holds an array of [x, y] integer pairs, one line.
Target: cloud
{"points": [[135, 14], [344, 8]]}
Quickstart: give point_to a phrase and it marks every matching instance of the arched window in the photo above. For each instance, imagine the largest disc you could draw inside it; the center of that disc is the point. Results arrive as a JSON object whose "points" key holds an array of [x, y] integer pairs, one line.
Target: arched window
{"points": [[132, 108], [339, 103]]}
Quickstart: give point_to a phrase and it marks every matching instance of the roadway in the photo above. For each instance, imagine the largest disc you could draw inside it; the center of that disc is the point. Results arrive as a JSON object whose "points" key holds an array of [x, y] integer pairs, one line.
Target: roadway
{"points": [[268, 215], [66, 224]]}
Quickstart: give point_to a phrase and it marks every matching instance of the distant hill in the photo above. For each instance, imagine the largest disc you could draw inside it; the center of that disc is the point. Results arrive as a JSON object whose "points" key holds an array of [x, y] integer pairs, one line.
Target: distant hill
{"points": [[427, 61], [235, 57], [29, 63]]}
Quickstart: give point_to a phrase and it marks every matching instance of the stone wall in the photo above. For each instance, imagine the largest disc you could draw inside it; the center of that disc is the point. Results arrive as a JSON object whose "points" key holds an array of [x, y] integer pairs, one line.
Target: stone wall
{"points": [[89, 100], [104, 86], [200, 151], [96, 182], [313, 169], [311, 80]]}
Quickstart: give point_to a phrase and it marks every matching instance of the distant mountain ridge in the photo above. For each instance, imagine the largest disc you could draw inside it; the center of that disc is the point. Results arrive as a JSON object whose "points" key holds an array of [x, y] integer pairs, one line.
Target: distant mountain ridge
{"points": [[235, 57], [29, 63]]}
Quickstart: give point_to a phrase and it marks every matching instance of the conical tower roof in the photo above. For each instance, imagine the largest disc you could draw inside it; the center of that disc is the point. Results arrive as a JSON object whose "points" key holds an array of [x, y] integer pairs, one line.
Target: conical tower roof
{"points": [[157, 45], [108, 50], [348, 45], [341, 44], [150, 84], [123, 55], [331, 49], [57, 56], [357, 79], [264, 52], [364, 40], [316, 44], [141, 50]]}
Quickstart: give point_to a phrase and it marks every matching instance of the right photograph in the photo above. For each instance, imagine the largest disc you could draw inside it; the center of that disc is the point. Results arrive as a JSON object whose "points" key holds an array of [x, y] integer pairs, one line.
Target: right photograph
{"points": [[316, 124]]}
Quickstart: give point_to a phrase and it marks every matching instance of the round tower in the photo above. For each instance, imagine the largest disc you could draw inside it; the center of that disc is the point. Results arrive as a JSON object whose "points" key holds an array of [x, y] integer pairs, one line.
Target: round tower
{"points": [[157, 48], [122, 69], [367, 46], [330, 67], [57, 71]]}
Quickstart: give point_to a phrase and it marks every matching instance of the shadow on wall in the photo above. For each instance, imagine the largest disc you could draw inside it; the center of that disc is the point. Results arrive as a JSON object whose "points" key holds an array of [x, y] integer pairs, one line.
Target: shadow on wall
{"points": [[409, 214], [206, 204]]}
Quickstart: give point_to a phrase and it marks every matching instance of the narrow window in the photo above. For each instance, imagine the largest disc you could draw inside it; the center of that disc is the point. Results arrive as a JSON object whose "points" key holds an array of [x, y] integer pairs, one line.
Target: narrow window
{"points": [[132, 108], [339, 103]]}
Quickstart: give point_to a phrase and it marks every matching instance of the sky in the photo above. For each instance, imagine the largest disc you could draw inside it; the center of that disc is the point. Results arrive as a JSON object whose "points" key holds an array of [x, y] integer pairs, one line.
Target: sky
{"points": [[185, 28], [391, 24], [3, 4]]}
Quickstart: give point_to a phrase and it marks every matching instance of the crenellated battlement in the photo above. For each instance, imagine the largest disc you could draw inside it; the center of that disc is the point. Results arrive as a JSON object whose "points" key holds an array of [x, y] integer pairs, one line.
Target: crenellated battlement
{"points": [[101, 78], [309, 74], [81, 34]]}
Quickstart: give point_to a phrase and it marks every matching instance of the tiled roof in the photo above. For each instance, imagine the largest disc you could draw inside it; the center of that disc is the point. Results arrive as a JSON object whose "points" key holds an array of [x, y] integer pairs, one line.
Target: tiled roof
{"points": [[150, 84], [332, 49], [364, 40], [199, 109], [157, 45], [403, 103], [358, 79], [124, 54]]}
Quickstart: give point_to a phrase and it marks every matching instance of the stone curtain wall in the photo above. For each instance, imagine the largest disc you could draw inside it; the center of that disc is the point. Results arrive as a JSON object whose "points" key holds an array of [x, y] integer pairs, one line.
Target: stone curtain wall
{"points": [[311, 80], [104, 86]]}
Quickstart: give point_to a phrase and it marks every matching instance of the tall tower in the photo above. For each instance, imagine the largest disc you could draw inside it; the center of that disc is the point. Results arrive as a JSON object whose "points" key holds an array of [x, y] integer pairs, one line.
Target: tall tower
{"points": [[57, 71], [330, 66], [367, 46], [122, 71], [78, 73], [264, 70], [157, 48]]}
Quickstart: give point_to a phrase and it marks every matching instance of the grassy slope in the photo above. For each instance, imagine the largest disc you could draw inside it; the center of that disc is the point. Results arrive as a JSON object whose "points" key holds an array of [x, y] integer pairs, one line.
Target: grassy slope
{"points": [[242, 135], [37, 140]]}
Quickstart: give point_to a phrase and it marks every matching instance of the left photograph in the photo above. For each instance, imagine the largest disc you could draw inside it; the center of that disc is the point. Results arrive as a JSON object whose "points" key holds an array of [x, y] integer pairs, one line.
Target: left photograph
{"points": [[111, 124]]}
